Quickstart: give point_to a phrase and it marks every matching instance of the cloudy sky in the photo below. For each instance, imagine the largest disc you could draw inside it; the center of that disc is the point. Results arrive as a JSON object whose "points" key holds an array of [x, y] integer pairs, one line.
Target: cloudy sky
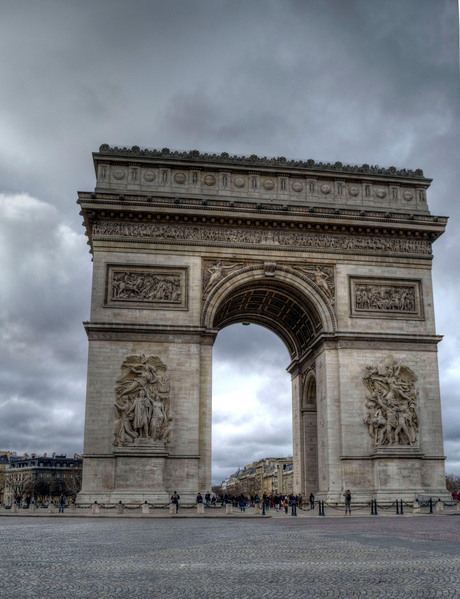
{"points": [[356, 81]]}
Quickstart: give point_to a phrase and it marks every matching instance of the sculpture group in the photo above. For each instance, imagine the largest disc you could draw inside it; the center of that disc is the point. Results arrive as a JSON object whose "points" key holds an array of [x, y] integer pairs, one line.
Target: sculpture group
{"points": [[143, 413], [391, 403]]}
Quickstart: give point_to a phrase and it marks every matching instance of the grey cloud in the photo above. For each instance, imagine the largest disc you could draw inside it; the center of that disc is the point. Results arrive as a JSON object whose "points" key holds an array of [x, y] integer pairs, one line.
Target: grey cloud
{"points": [[358, 81], [251, 347]]}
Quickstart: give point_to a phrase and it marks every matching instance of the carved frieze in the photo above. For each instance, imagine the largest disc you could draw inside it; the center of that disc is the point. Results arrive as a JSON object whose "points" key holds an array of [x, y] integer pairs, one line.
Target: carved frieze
{"points": [[147, 287], [391, 403], [174, 233], [386, 298], [142, 403]]}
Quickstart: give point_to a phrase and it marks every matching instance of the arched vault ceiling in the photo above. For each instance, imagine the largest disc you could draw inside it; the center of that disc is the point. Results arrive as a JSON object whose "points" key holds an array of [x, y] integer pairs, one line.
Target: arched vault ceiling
{"points": [[276, 306]]}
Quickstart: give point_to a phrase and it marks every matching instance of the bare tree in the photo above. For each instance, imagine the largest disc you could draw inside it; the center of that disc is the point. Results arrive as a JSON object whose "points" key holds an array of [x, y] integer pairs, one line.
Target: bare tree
{"points": [[452, 482], [18, 483]]}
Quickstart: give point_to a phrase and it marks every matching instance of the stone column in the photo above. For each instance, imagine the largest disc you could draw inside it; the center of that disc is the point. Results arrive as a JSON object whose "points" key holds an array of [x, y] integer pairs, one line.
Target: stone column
{"points": [[205, 407], [329, 423], [297, 433]]}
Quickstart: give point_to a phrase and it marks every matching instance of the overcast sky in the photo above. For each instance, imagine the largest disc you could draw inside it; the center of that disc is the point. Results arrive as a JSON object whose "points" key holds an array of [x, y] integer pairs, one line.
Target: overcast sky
{"points": [[356, 81]]}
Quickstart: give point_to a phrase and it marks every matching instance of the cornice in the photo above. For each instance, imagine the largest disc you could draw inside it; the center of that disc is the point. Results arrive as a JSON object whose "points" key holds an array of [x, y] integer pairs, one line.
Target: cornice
{"points": [[139, 202], [224, 222], [196, 157], [145, 332]]}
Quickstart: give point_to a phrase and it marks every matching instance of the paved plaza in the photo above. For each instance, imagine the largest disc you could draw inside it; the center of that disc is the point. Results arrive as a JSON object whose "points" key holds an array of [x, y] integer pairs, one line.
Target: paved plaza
{"points": [[392, 557]]}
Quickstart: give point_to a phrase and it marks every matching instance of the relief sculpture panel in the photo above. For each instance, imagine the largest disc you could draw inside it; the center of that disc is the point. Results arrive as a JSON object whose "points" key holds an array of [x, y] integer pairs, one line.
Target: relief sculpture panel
{"points": [[142, 404], [146, 287], [323, 277], [391, 404], [214, 271], [386, 298]]}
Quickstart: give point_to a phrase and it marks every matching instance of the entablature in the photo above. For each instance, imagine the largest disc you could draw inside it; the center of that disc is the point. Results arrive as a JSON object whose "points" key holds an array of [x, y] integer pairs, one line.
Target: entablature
{"points": [[226, 220], [255, 179]]}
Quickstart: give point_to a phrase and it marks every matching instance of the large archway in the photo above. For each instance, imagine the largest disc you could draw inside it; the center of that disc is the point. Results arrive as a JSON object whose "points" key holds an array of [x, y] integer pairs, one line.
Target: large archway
{"points": [[334, 259], [251, 402], [280, 303]]}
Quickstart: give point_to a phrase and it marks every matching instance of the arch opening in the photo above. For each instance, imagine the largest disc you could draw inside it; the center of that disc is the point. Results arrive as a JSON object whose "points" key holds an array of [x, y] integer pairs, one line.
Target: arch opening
{"points": [[251, 407], [275, 305]]}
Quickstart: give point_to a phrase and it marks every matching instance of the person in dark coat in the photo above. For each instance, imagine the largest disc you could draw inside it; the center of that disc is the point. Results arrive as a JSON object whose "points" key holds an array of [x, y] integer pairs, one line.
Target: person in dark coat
{"points": [[62, 503], [175, 500]]}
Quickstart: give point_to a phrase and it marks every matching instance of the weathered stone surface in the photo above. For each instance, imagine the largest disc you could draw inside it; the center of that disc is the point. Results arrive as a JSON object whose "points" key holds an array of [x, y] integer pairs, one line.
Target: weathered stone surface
{"points": [[335, 260]]}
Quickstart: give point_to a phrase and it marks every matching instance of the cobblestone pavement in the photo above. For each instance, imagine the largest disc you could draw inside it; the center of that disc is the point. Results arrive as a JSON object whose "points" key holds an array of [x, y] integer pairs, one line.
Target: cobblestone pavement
{"points": [[230, 559]]}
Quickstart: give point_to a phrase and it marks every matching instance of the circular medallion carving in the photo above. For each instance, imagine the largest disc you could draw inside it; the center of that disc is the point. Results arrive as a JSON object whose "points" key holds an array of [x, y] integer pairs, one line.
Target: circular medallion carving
{"points": [[239, 182], [381, 193], [179, 178], [326, 188], [268, 184], [118, 174], [353, 191], [209, 180], [149, 176], [297, 186], [408, 195]]}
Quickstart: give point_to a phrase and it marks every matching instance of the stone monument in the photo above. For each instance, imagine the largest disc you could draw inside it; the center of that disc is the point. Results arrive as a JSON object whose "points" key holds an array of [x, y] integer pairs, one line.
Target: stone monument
{"points": [[335, 259]]}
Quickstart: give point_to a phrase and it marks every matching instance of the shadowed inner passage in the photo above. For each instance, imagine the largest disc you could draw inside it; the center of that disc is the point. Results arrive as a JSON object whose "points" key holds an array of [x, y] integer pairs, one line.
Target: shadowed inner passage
{"points": [[276, 306]]}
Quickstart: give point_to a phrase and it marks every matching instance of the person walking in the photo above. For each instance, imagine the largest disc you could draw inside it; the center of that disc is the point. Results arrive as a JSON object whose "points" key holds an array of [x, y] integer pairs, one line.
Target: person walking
{"points": [[286, 504], [175, 500], [347, 496], [312, 501]]}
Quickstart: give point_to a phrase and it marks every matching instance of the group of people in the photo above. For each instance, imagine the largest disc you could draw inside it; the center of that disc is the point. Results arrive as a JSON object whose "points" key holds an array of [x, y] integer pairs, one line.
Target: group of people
{"points": [[26, 501], [278, 502], [242, 501]]}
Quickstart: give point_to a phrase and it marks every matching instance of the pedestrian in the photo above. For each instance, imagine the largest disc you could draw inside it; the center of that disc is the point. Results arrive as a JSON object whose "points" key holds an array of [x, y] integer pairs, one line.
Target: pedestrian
{"points": [[175, 500], [62, 502], [286, 504], [312, 501], [199, 498], [347, 496], [242, 503], [207, 498]]}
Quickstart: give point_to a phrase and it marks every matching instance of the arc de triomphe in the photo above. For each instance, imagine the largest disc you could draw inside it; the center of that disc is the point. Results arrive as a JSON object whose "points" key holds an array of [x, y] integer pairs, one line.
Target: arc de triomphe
{"points": [[334, 259]]}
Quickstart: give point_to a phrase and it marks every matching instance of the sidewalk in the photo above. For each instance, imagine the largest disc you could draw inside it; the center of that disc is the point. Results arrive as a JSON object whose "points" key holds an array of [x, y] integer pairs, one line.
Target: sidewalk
{"points": [[330, 511]]}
